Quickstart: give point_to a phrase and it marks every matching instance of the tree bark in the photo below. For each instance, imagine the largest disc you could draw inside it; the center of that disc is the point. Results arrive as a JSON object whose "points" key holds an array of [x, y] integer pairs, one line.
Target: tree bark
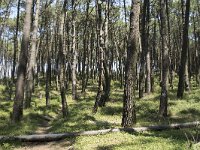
{"points": [[144, 49], [106, 65], [129, 110], [16, 42], [32, 59], [100, 55], [184, 53], [85, 51], [165, 61], [62, 63], [74, 52], [59, 136], [21, 72]]}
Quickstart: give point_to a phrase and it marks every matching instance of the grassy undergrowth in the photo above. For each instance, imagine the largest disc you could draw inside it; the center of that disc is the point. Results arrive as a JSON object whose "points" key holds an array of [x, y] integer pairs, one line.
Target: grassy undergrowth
{"points": [[81, 119]]}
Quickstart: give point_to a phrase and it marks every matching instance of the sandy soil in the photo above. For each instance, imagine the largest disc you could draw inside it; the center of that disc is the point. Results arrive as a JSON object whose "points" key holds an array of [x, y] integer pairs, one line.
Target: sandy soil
{"points": [[58, 145]]}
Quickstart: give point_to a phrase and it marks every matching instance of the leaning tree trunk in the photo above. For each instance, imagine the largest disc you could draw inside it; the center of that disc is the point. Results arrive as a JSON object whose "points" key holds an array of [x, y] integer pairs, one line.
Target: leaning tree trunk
{"points": [[21, 72], [165, 61], [184, 53], [129, 110]]}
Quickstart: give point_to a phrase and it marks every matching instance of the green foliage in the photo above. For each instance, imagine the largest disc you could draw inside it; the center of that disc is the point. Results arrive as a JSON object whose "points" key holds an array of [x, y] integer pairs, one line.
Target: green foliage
{"points": [[81, 119], [7, 146]]}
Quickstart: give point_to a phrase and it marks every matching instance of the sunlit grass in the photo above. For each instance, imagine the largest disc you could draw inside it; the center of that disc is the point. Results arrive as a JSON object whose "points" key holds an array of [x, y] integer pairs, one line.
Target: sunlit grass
{"points": [[81, 118]]}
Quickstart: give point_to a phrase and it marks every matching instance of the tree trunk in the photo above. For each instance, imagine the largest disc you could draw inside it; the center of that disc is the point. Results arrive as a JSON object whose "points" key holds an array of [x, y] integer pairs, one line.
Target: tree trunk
{"points": [[148, 58], [145, 58], [55, 137], [32, 59], [74, 52], [16, 42], [184, 53], [62, 63], [107, 80], [100, 55], [171, 68], [154, 57], [85, 47], [21, 72], [165, 61], [129, 110]]}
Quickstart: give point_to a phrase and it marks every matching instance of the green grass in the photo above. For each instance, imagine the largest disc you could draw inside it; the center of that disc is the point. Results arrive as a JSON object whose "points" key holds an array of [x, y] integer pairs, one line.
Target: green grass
{"points": [[81, 118]]}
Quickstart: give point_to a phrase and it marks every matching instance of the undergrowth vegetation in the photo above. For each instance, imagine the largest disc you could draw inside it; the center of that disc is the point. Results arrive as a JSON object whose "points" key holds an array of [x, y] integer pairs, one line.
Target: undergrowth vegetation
{"points": [[81, 118]]}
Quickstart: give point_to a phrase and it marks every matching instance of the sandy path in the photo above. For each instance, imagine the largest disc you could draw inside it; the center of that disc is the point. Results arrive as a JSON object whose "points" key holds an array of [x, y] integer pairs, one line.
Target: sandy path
{"points": [[43, 128], [58, 145]]}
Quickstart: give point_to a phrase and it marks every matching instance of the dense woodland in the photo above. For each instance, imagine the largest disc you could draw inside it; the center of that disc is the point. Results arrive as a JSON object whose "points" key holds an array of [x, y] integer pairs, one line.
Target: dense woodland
{"points": [[69, 46]]}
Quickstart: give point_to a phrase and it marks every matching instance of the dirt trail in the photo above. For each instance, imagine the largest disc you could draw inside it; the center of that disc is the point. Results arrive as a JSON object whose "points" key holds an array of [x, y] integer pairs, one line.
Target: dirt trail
{"points": [[58, 145], [43, 128]]}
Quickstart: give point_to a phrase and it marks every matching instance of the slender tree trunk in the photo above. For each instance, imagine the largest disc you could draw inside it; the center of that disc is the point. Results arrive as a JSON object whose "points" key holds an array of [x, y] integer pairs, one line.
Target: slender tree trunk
{"points": [[129, 110], [106, 85], [100, 56], [62, 63], [49, 46], [198, 61], [148, 58], [171, 68], [165, 61], [32, 59], [48, 72], [154, 57], [85, 47], [74, 52], [16, 42], [184, 53], [144, 55], [21, 72]]}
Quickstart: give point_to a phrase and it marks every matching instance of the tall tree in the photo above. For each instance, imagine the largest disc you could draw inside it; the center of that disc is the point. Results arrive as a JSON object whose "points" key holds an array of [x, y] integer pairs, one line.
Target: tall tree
{"points": [[100, 43], [16, 41], [165, 61], [129, 110], [74, 51], [62, 61], [108, 55], [184, 52], [85, 49], [21, 72], [145, 55], [32, 59]]}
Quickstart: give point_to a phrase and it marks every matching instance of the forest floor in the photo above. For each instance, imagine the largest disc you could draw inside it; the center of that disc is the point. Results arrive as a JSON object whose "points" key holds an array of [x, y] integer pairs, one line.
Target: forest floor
{"points": [[41, 119]]}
